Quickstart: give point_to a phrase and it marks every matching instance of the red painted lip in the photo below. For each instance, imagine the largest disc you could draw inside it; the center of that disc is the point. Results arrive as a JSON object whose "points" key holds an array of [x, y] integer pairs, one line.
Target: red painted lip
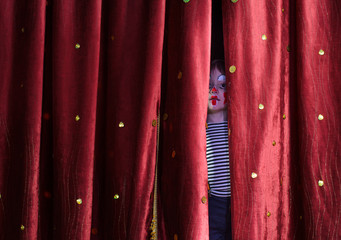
{"points": [[214, 98]]}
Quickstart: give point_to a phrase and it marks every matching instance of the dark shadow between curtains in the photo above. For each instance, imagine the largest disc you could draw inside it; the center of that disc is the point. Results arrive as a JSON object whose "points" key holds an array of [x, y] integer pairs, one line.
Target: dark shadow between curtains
{"points": [[218, 205], [217, 44]]}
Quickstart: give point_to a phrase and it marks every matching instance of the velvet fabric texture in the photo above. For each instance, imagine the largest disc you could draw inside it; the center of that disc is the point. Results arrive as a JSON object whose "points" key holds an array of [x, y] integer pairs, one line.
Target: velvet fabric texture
{"points": [[83, 84], [284, 116]]}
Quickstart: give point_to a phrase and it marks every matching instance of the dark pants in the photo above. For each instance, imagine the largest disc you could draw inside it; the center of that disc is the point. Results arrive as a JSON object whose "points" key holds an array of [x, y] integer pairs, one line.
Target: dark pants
{"points": [[219, 218]]}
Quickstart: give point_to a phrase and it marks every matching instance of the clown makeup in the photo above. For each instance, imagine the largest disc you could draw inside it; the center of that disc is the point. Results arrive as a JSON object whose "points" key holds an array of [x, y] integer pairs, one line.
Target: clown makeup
{"points": [[222, 78], [217, 91]]}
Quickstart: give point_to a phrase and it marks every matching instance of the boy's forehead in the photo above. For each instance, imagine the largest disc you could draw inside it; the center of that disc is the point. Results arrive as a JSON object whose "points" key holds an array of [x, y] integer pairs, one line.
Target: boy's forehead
{"points": [[216, 72], [217, 76]]}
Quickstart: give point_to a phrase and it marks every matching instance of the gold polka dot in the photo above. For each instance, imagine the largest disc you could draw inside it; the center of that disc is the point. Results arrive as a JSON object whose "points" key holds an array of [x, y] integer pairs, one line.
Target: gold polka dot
{"points": [[268, 214], [204, 200], [284, 116], [234, 1], [165, 116], [186, 1], [112, 38], [77, 118], [288, 48], [261, 106], [22, 227], [175, 236], [274, 143], [179, 75], [21, 85], [264, 37], [229, 132], [254, 175], [116, 196], [320, 183], [321, 52], [206, 125], [173, 154], [320, 117], [282, 9], [0, 195], [77, 46], [22, 30], [232, 69], [301, 217], [154, 123], [79, 201], [121, 125]]}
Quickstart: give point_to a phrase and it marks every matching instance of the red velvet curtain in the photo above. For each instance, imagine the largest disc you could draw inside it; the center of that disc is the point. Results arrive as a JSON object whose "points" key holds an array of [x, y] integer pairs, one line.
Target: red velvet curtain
{"points": [[285, 118], [98, 95]]}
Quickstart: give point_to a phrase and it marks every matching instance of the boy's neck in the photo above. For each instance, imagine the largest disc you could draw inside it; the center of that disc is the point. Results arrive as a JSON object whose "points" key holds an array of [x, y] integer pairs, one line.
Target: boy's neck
{"points": [[217, 117]]}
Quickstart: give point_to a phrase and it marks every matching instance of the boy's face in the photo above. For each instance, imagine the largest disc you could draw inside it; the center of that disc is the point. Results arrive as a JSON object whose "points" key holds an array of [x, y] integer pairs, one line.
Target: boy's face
{"points": [[217, 99]]}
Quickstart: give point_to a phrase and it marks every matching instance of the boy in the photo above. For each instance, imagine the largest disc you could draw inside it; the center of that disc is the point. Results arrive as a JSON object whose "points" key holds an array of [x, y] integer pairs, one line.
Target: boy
{"points": [[217, 154]]}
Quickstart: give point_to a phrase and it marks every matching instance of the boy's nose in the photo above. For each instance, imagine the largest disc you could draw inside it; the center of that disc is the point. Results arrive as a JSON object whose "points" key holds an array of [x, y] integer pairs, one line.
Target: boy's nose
{"points": [[214, 90]]}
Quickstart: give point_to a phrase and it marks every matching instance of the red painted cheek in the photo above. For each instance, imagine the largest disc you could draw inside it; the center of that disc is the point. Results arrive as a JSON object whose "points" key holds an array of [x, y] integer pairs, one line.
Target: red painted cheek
{"points": [[214, 102], [225, 98]]}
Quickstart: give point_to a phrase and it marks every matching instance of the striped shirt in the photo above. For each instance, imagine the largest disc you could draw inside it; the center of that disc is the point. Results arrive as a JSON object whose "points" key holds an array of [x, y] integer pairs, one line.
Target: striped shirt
{"points": [[217, 154]]}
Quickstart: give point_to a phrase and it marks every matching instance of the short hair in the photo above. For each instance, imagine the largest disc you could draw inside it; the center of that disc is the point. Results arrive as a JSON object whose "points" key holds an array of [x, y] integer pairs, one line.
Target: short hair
{"points": [[218, 64]]}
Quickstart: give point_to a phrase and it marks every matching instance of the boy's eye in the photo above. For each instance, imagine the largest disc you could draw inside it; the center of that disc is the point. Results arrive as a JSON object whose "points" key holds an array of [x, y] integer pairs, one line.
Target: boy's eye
{"points": [[223, 86]]}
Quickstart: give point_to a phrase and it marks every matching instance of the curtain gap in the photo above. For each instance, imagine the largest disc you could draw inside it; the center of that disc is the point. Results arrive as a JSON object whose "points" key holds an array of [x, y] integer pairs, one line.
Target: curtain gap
{"points": [[217, 39], [218, 56]]}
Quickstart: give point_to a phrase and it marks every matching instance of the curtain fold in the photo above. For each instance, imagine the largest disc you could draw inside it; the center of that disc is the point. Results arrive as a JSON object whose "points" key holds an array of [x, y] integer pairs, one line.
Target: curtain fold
{"points": [[22, 42], [82, 84], [102, 90], [319, 116], [183, 168], [129, 98], [283, 61], [75, 63]]}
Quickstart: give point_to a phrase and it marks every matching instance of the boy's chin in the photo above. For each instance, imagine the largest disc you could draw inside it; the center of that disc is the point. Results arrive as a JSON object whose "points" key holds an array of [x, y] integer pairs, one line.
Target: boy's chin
{"points": [[216, 110]]}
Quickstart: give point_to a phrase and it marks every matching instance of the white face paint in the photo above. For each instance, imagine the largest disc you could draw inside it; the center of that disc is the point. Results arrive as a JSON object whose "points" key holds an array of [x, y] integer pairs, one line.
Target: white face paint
{"points": [[222, 78]]}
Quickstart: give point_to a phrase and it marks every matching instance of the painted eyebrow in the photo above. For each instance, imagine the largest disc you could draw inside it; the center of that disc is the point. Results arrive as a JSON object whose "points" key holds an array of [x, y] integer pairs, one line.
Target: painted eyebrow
{"points": [[221, 77]]}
